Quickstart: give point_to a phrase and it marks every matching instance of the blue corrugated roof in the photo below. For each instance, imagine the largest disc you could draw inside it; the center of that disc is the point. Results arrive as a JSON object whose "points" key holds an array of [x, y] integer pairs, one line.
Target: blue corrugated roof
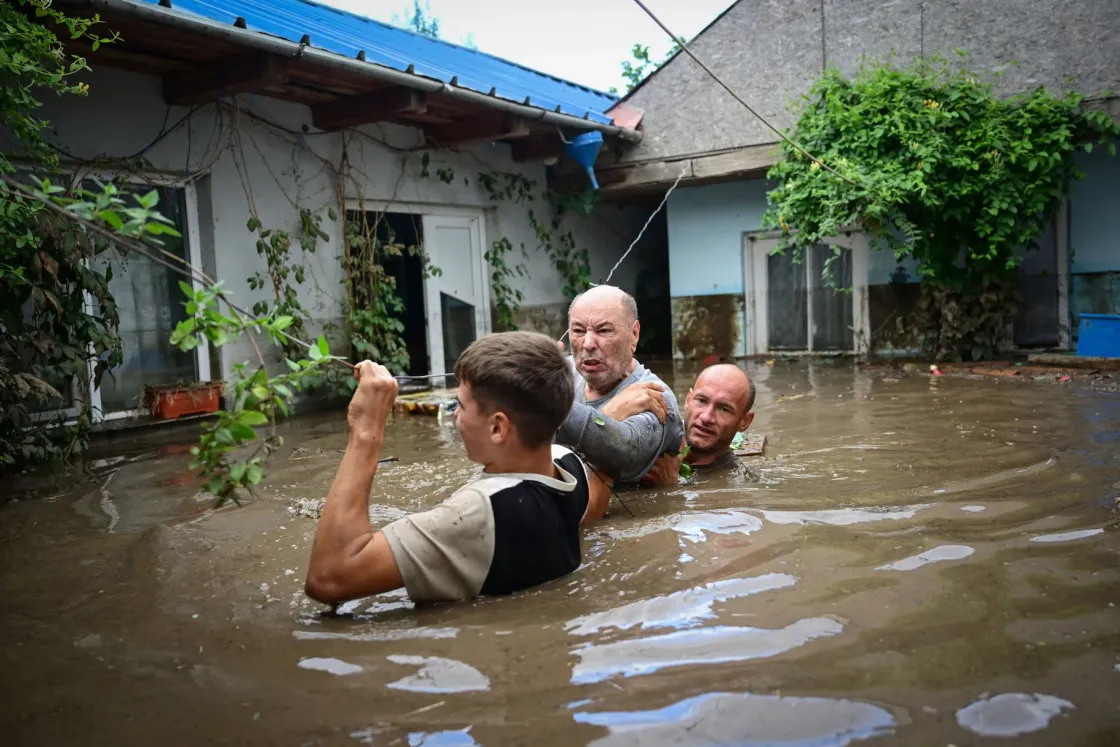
{"points": [[346, 34]]}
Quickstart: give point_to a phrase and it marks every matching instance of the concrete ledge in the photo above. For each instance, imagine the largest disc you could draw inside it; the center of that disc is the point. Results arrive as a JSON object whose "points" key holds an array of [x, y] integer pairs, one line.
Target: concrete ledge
{"points": [[1075, 361]]}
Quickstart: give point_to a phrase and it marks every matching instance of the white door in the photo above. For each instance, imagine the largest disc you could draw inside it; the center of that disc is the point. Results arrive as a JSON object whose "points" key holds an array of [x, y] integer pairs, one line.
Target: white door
{"points": [[457, 300], [789, 306]]}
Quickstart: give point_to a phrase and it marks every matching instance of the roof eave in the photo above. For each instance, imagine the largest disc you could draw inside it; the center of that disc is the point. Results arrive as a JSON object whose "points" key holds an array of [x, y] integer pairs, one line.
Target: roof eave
{"points": [[296, 50]]}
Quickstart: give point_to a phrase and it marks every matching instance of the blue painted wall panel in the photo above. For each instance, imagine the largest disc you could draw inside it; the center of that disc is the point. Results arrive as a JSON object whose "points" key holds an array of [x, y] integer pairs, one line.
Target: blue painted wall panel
{"points": [[1094, 214], [706, 226]]}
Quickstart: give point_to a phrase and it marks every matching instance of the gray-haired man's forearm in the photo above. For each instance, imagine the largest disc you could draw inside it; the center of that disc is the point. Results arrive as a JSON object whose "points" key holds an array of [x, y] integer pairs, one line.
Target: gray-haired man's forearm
{"points": [[624, 450]]}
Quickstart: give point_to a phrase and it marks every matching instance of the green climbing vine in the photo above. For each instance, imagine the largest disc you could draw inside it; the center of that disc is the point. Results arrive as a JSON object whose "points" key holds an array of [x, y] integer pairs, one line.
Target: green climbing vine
{"points": [[49, 334], [934, 166], [275, 245], [373, 304], [558, 244], [506, 298]]}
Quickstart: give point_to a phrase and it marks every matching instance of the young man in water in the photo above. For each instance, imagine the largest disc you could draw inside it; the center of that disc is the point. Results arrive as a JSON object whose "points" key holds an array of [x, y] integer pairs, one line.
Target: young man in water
{"points": [[621, 435], [717, 407], [515, 526]]}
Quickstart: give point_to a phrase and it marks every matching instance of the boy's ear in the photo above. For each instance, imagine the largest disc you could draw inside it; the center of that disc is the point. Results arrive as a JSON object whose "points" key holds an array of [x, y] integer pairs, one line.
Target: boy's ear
{"points": [[501, 428]]}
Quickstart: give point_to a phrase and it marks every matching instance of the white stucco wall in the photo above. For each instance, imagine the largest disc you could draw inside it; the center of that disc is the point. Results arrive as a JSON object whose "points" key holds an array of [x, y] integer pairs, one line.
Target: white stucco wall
{"points": [[125, 111]]}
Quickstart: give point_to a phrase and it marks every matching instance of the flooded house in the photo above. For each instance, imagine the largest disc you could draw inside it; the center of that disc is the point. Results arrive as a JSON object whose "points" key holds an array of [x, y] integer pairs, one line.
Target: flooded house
{"points": [[308, 118], [730, 296]]}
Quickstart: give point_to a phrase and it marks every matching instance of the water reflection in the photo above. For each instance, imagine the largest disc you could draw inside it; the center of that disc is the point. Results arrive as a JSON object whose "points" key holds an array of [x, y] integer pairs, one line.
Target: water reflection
{"points": [[461, 738], [679, 609], [937, 554], [1068, 536], [1011, 714], [747, 720], [334, 666], [842, 517], [456, 738], [400, 634], [696, 526], [439, 675], [715, 645]]}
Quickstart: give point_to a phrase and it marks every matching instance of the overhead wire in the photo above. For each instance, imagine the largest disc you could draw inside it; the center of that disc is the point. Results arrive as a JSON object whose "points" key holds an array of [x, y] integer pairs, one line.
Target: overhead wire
{"points": [[685, 48]]}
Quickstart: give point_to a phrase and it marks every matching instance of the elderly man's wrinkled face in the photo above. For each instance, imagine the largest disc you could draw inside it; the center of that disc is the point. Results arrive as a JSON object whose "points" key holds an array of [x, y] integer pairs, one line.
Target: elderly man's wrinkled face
{"points": [[604, 336]]}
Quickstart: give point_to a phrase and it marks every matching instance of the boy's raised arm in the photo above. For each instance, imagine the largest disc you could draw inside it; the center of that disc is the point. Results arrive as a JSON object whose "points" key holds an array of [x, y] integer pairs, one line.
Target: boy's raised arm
{"points": [[348, 559]]}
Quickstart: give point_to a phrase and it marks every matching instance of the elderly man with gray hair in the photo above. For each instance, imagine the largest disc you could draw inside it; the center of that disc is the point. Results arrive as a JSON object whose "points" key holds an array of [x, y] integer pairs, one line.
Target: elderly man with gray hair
{"points": [[610, 383]]}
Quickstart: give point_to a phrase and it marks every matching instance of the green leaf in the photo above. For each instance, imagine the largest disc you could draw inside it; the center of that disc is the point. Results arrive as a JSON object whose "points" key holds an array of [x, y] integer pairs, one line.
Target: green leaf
{"points": [[242, 432], [254, 474], [292, 364], [253, 417], [324, 348], [237, 471], [111, 217], [260, 392], [1088, 147], [188, 291]]}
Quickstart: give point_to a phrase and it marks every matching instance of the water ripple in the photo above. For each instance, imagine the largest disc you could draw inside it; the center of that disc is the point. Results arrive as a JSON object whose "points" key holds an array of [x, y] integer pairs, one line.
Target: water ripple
{"points": [[679, 609], [746, 720], [701, 646], [1011, 714]]}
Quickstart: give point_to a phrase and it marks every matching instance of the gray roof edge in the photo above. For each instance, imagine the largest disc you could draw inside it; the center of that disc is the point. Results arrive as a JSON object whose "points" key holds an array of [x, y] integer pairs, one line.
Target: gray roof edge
{"points": [[283, 47]]}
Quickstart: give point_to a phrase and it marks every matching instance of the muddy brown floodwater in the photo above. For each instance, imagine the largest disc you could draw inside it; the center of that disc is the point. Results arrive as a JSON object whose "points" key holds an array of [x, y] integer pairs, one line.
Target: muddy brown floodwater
{"points": [[920, 562]]}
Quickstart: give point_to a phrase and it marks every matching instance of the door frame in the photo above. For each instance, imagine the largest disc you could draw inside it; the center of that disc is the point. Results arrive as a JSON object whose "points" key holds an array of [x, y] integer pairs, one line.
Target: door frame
{"points": [[756, 247], [433, 318]]}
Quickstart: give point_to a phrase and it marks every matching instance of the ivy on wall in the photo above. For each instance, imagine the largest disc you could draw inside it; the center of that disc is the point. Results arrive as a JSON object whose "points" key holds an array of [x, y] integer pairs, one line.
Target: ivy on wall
{"points": [[936, 167]]}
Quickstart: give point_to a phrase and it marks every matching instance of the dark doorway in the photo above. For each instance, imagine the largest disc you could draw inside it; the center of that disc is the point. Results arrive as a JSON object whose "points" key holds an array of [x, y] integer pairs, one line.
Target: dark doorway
{"points": [[402, 234]]}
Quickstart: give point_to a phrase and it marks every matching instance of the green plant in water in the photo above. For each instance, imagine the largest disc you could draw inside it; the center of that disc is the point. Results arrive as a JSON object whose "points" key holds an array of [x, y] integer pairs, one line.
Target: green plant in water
{"points": [[685, 470], [933, 166], [255, 397]]}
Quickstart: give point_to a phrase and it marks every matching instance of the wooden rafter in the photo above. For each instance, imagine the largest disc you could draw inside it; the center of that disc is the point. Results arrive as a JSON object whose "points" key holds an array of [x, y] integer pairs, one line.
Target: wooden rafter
{"points": [[481, 130], [372, 107], [539, 148], [229, 77]]}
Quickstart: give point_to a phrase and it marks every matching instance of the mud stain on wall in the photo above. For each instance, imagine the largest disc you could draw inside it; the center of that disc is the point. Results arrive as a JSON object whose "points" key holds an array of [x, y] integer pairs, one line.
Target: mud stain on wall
{"points": [[549, 319], [707, 326]]}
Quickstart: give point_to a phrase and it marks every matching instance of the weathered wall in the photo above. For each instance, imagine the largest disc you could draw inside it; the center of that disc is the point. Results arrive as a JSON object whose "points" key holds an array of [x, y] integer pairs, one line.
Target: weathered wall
{"points": [[771, 51], [283, 169]]}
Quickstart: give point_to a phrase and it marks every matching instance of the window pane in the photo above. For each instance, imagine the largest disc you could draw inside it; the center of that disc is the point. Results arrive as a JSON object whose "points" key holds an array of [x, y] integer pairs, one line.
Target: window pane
{"points": [[458, 329], [832, 307], [786, 303], [150, 304]]}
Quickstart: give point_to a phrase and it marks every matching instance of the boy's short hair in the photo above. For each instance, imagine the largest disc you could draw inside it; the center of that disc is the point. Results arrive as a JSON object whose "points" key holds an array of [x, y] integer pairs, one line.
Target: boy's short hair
{"points": [[524, 375]]}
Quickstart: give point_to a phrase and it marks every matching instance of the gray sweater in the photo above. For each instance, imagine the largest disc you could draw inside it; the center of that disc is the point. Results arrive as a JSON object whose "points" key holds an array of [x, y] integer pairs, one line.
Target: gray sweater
{"points": [[624, 450]]}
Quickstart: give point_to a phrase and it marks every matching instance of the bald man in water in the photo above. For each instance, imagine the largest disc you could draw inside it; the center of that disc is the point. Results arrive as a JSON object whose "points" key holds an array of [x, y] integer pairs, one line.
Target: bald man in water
{"points": [[718, 406], [622, 435]]}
